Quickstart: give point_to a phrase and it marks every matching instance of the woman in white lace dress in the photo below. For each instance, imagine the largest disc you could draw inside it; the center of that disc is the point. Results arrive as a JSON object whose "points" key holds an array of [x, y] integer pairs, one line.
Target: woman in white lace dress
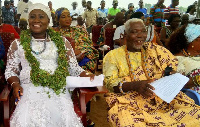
{"points": [[185, 44], [37, 66]]}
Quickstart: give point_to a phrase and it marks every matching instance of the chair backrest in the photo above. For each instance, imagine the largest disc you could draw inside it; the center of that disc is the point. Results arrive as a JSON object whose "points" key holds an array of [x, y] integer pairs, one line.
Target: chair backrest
{"points": [[96, 30], [17, 29], [192, 94], [109, 34], [7, 38]]}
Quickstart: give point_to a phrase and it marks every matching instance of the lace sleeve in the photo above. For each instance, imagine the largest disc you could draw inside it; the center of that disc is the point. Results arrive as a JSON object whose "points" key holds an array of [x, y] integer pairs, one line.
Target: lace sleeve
{"points": [[74, 69], [13, 61]]}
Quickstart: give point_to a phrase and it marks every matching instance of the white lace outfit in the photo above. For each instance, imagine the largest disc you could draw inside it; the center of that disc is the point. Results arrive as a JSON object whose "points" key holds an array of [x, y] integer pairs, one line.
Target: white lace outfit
{"points": [[188, 64], [36, 109]]}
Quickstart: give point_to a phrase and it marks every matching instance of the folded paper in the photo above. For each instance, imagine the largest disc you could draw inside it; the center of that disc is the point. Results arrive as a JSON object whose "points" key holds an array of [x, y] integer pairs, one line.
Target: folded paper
{"points": [[73, 82]]}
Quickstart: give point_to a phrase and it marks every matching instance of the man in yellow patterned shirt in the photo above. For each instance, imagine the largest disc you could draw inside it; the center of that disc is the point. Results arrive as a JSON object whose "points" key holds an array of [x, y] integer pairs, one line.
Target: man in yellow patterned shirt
{"points": [[128, 71]]}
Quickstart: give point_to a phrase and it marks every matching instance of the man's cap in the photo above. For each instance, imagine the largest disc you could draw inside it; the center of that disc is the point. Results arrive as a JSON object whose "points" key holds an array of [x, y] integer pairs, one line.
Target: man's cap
{"points": [[74, 3], [130, 5], [103, 1], [115, 2], [6, 2]]}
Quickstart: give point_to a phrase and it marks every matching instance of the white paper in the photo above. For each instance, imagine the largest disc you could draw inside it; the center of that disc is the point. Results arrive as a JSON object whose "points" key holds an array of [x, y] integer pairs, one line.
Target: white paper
{"points": [[169, 86], [73, 82]]}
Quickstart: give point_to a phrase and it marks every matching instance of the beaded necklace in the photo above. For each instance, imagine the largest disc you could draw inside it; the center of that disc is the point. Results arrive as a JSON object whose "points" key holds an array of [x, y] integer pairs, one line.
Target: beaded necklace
{"points": [[131, 71], [187, 54], [35, 52]]}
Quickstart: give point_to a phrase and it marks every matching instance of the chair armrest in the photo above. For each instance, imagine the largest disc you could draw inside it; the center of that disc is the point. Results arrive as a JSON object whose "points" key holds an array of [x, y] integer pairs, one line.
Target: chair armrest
{"points": [[5, 93]]}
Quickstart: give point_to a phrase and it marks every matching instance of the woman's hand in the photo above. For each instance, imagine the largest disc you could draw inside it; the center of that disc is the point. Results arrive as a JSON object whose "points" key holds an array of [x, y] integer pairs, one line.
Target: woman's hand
{"points": [[16, 89], [144, 88], [79, 55], [84, 74], [91, 76]]}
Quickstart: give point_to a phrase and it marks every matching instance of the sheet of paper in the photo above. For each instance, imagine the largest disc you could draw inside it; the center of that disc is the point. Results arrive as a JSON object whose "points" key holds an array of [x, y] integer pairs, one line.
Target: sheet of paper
{"points": [[169, 86], [73, 82]]}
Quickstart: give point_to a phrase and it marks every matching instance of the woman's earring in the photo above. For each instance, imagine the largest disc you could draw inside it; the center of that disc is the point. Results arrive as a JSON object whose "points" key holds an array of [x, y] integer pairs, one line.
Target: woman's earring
{"points": [[192, 46]]}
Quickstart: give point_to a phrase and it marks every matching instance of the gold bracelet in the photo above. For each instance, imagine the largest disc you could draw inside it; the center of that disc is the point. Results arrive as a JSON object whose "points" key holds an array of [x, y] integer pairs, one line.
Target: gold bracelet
{"points": [[13, 83]]}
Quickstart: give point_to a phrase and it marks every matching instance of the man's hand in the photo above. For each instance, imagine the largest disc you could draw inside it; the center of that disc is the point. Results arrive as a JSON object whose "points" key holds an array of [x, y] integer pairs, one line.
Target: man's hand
{"points": [[144, 88]]}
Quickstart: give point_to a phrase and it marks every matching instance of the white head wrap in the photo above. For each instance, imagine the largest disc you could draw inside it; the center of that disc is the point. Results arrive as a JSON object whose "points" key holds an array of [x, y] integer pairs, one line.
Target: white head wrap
{"points": [[192, 32], [41, 7]]}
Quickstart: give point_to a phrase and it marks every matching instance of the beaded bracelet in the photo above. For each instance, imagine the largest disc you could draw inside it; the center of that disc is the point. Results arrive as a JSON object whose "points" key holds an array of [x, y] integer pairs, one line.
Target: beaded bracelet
{"points": [[194, 81], [120, 87]]}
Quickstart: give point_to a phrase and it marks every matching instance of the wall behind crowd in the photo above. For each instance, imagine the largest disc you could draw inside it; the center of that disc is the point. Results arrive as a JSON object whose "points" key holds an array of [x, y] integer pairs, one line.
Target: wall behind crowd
{"points": [[96, 3]]}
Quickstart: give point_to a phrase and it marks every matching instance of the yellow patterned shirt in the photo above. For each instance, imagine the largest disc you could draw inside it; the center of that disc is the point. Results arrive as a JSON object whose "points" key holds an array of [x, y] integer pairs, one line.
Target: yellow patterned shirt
{"points": [[115, 67]]}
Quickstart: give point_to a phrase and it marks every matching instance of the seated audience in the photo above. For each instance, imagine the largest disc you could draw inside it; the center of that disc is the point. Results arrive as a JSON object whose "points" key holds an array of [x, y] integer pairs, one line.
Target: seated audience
{"points": [[118, 21], [128, 76], [85, 52], [174, 22], [185, 45]]}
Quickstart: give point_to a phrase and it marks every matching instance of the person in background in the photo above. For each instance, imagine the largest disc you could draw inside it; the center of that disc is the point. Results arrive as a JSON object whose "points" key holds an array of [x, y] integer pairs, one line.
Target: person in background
{"points": [[157, 14], [81, 24], [191, 11], [184, 19], [165, 33], [129, 70], [74, 13], [51, 7], [8, 13], [123, 10], [185, 45], [171, 9], [102, 12], [22, 9], [90, 16], [101, 21], [85, 53], [83, 8], [23, 24], [141, 8], [118, 21], [15, 10], [130, 11], [53, 18], [113, 11]]}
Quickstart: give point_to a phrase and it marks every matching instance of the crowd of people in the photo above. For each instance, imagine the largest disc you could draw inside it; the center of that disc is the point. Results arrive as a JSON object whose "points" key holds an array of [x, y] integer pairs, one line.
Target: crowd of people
{"points": [[53, 44]]}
